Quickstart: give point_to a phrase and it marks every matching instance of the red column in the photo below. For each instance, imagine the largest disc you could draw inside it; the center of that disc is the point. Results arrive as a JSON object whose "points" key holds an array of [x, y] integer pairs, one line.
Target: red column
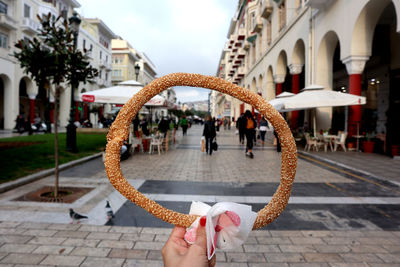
{"points": [[85, 111], [241, 108], [354, 111], [101, 112], [295, 90], [31, 110], [76, 111], [278, 88]]}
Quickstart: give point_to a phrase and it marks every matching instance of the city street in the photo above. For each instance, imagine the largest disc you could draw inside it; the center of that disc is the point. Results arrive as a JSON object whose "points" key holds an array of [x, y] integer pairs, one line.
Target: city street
{"points": [[334, 215]]}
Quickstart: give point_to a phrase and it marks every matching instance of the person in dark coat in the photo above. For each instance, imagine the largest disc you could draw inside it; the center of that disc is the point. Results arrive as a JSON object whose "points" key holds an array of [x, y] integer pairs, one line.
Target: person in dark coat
{"points": [[209, 133], [250, 132], [241, 126], [163, 126]]}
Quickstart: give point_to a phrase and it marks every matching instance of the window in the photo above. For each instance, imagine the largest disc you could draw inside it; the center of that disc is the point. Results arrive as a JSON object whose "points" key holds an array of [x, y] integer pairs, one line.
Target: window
{"points": [[91, 47], [27, 11], [252, 20], [106, 58], [106, 76], [101, 54], [100, 74], [282, 15], [84, 44], [269, 31], [3, 40], [3, 8]]}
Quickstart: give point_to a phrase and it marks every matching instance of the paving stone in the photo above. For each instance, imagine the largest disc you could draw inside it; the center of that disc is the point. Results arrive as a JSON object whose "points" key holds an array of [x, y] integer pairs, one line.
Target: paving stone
{"points": [[220, 256], [360, 257], [309, 264], [54, 250], [12, 231], [47, 240], [341, 241], [34, 225], [72, 234], [100, 235], [307, 240], [284, 257], [143, 263], [39, 232], [377, 241], [94, 228], [332, 248], [383, 265], [343, 264], [77, 242], [115, 244], [125, 229], [131, 254], [63, 260], [3, 254], [281, 264], [389, 258], [274, 240], [137, 237], [261, 248], [259, 233], [95, 262], [149, 245], [15, 239], [352, 233], [9, 224], [88, 251], [10, 265], [17, 248], [392, 248], [379, 234], [157, 231], [322, 257], [161, 238], [244, 257], [297, 248], [66, 227], [367, 249], [286, 233], [312, 233], [232, 264], [18, 258]]}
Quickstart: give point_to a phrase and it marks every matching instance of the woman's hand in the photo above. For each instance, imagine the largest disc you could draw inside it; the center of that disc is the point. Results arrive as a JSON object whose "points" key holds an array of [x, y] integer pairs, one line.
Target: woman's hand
{"points": [[178, 253]]}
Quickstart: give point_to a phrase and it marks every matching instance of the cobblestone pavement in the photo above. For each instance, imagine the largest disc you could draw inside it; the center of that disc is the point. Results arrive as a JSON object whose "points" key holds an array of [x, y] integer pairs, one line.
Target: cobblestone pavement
{"points": [[41, 234]]}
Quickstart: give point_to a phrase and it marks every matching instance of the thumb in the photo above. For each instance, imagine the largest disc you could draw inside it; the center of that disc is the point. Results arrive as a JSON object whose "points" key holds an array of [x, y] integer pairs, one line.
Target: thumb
{"points": [[201, 237]]}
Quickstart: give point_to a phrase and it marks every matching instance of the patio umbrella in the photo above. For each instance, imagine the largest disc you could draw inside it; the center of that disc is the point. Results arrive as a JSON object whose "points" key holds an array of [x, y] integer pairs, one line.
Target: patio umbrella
{"points": [[120, 94], [280, 99], [314, 96]]}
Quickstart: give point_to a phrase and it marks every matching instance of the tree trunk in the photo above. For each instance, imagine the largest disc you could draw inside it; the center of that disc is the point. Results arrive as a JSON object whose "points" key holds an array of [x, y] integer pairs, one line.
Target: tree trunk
{"points": [[56, 94]]}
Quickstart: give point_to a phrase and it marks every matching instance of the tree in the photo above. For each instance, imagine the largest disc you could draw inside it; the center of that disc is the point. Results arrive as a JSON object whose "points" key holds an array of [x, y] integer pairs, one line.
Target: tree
{"points": [[51, 60]]}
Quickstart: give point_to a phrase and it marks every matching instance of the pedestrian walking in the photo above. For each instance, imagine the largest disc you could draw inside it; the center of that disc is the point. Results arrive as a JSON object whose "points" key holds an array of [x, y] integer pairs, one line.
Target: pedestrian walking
{"points": [[184, 124], [250, 132], [263, 129], [209, 134], [241, 127]]}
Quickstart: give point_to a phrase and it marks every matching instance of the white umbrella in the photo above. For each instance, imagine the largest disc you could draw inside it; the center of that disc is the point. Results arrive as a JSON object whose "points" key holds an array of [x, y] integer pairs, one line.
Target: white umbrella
{"points": [[315, 97], [120, 94], [279, 101]]}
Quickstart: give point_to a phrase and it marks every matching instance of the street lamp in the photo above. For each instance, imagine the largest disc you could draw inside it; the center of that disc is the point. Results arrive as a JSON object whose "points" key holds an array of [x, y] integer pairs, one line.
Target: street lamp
{"points": [[74, 23], [137, 69]]}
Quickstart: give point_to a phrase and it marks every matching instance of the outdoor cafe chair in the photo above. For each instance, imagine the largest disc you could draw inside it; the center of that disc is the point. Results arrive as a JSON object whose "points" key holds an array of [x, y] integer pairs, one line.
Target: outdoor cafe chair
{"points": [[137, 142], [156, 141], [310, 142], [341, 141]]}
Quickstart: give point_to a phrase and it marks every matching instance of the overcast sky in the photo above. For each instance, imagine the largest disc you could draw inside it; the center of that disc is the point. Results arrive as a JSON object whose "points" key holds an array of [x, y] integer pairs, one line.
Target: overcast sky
{"points": [[177, 35]]}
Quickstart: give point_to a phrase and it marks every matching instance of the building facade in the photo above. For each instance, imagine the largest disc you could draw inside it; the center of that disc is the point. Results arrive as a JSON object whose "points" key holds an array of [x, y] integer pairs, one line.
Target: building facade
{"points": [[348, 46], [124, 60], [18, 92]]}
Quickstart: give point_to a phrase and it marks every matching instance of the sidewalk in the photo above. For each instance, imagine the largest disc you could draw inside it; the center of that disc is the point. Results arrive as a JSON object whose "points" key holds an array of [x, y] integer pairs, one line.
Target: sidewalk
{"points": [[40, 233]]}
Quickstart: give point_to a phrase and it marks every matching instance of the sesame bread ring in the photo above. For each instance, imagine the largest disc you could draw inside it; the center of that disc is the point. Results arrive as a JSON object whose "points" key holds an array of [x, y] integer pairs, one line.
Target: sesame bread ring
{"points": [[119, 131]]}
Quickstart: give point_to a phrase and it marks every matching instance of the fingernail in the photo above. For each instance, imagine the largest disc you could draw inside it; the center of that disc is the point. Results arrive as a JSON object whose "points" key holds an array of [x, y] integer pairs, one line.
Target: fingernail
{"points": [[203, 221], [218, 228]]}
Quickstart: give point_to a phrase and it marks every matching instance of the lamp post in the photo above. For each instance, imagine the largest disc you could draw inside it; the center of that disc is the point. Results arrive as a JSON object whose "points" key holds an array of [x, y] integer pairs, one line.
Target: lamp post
{"points": [[74, 23], [137, 69]]}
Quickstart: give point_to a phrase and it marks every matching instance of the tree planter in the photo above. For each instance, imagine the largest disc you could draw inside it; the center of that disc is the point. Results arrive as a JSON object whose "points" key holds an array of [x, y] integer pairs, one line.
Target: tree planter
{"points": [[368, 146]]}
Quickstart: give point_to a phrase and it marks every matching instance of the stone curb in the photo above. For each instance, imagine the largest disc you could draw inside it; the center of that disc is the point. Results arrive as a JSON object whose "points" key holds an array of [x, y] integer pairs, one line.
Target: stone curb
{"points": [[39, 175], [349, 168]]}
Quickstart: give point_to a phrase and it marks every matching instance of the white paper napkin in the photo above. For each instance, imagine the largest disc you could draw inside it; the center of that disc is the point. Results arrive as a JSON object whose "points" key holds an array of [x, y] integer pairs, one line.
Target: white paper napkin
{"points": [[228, 224]]}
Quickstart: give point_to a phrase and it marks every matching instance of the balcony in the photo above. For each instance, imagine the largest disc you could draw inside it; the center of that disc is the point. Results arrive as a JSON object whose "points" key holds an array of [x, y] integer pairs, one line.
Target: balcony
{"points": [[241, 53], [241, 35], [258, 25], [266, 9], [30, 26], [246, 46], [117, 78], [100, 81], [241, 71], [105, 65], [8, 22]]}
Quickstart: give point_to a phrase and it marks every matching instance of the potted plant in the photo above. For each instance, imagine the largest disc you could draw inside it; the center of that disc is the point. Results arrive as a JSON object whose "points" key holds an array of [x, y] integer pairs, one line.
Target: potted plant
{"points": [[368, 143]]}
